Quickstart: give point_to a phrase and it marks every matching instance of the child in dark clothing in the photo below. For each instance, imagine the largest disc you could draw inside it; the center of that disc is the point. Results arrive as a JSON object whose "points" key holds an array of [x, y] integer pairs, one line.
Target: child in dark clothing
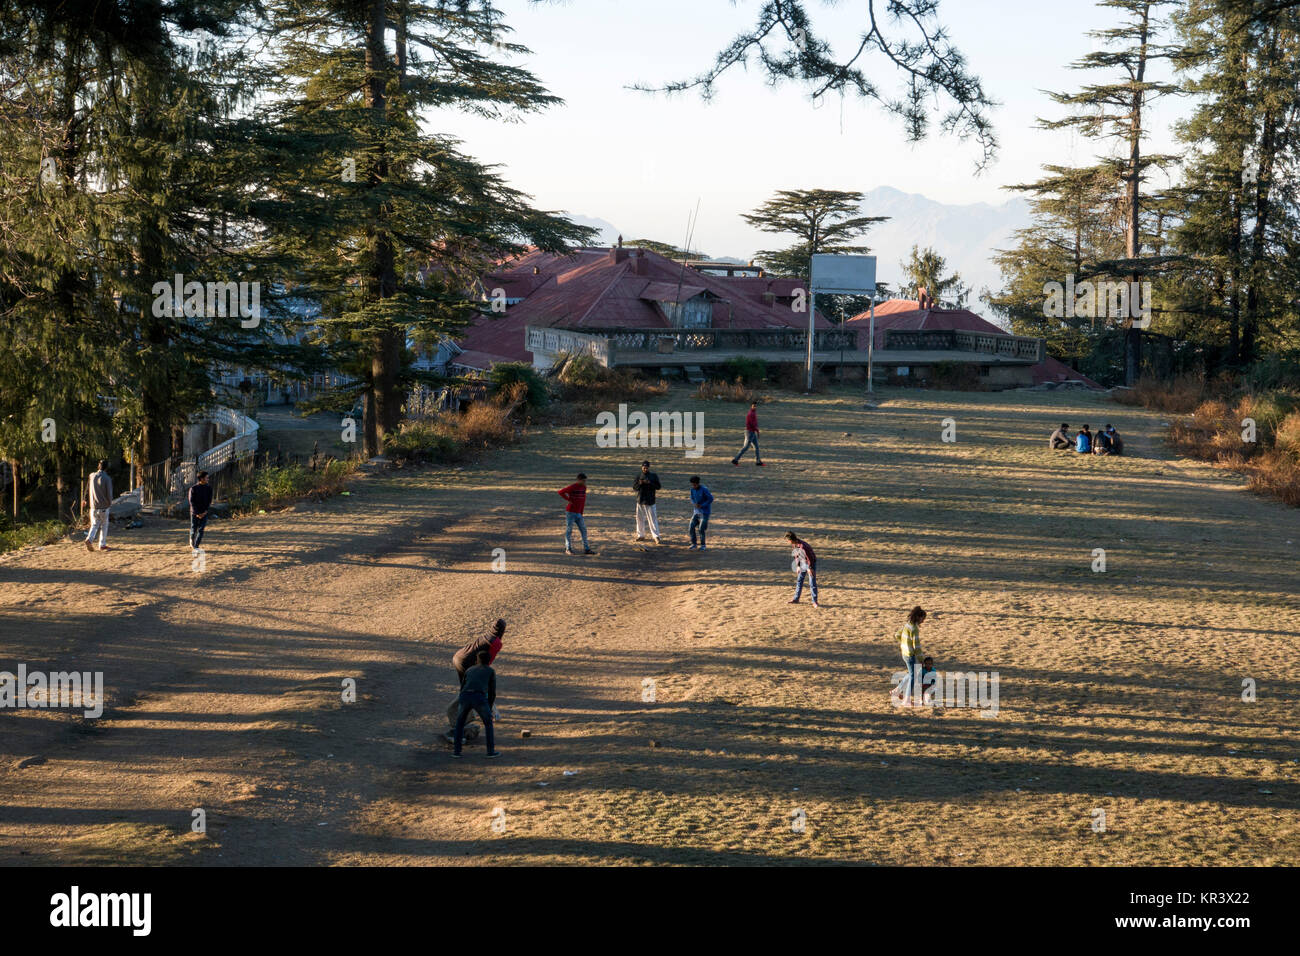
{"points": [[929, 677]]}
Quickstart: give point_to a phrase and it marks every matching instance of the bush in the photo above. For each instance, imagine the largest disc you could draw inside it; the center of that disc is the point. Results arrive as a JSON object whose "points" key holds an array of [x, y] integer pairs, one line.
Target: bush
{"points": [[750, 371], [276, 486], [1269, 411], [1276, 473], [586, 385], [423, 441], [1177, 396], [39, 533], [581, 371], [483, 425], [506, 374], [1213, 432], [1287, 439], [727, 392]]}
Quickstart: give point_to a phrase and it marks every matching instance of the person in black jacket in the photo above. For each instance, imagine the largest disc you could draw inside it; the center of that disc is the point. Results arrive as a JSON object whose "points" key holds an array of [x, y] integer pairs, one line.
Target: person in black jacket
{"points": [[200, 501], [478, 694], [645, 485]]}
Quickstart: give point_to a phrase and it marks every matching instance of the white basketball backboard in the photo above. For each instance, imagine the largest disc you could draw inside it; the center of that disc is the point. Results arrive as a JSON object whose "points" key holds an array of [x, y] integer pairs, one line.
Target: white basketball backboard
{"points": [[851, 275]]}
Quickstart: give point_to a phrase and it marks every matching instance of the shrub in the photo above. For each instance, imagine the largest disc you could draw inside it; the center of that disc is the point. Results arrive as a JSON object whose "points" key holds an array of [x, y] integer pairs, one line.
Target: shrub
{"points": [[1287, 439], [727, 392], [1178, 396], [483, 425], [39, 533], [1269, 411], [1213, 432], [750, 371], [587, 385], [581, 371], [506, 374], [423, 441], [275, 486], [1276, 473]]}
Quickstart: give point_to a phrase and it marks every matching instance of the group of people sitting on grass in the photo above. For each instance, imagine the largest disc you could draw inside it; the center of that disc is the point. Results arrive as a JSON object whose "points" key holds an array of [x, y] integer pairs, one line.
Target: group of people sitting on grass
{"points": [[1105, 441]]}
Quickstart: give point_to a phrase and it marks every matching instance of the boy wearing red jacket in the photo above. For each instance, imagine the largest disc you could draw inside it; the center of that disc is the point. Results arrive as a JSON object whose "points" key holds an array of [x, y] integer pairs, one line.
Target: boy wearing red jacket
{"points": [[576, 496], [751, 436]]}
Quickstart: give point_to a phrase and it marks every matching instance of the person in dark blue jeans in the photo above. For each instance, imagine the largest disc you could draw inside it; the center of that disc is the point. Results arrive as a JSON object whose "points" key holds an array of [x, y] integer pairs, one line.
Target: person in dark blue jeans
{"points": [[478, 693], [200, 501], [702, 502]]}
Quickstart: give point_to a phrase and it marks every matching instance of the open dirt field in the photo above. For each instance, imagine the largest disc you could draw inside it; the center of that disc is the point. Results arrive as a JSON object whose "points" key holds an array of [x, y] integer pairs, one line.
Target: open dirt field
{"points": [[1120, 690]]}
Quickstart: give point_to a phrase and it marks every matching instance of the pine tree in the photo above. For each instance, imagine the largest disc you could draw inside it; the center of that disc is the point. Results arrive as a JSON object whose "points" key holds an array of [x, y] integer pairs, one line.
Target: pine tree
{"points": [[1239, 228], [824, 220], [924, 269], [389, 227]]}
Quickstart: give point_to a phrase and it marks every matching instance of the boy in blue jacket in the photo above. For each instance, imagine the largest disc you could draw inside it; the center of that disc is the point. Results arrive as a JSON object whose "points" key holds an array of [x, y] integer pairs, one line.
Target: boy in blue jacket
{"points": [[702, 502]]}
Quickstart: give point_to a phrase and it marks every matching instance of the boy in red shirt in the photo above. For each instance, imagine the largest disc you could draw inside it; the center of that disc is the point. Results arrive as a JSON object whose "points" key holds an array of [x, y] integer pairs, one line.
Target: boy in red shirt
{"points": [[751, 436], [576, 496]]}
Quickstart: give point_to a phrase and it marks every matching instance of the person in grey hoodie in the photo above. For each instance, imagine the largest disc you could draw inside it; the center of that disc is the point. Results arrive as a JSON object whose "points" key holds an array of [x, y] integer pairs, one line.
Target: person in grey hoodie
{"points": [[99, 498]]}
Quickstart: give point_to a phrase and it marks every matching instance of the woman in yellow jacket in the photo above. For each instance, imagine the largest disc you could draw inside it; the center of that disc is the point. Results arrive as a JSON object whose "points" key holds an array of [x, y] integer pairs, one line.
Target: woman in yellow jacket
{"points": [[909, 644]]}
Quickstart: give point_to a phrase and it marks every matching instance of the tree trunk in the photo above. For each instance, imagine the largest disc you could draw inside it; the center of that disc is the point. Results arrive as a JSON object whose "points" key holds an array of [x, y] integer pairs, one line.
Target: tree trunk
{"points": [[382, 279], [60, 488], [14, 466]]}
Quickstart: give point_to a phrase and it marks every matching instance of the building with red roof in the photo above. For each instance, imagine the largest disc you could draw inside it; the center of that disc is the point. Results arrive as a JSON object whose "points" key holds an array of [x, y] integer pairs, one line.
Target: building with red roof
{"points": [[898, 360], [620, 288]]}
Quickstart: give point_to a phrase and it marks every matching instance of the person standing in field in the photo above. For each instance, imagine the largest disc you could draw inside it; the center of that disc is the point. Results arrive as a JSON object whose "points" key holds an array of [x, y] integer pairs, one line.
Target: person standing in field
{"points": [[702, 504], [909, 645], [99, 499], [647, 517], [751, 436], [805, 565], [576, 496], [200, 498], [478, 693]]}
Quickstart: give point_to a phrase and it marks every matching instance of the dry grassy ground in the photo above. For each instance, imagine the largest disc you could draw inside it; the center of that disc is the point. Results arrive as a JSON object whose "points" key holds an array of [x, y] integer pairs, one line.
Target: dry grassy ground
{"points": [[1119, 691]]}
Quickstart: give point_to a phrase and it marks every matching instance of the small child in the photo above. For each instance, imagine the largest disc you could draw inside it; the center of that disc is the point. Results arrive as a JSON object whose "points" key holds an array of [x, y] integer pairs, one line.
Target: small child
{"points": [[929, 677]]}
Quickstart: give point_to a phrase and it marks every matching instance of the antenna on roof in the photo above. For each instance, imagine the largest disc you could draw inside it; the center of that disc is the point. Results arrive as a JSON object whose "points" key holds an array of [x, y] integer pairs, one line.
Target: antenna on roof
{"points": [[690, 237]]}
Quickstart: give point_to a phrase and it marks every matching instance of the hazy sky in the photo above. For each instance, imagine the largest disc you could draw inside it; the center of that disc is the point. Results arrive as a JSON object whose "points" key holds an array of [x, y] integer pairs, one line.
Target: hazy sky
{"points": [[641, 161]]}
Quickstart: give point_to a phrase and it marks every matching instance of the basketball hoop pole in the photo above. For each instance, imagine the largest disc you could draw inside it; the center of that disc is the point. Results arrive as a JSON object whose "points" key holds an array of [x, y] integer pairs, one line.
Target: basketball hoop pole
{"points": [[871, 343], [812, 314]]}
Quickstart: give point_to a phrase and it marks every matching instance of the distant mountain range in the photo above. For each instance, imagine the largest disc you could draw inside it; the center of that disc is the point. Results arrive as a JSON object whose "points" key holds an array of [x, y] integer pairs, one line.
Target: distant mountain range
{"points": [[966, 235]]}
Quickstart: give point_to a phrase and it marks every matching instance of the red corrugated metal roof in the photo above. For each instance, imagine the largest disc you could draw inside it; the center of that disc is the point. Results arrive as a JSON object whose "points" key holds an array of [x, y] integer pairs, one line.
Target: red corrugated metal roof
{"points": [[603, 288], [670, 292]]}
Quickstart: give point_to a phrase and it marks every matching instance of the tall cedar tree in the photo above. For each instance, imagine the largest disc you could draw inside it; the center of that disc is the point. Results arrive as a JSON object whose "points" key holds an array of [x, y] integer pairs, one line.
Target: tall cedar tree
{"points": [[389, 227], [1076, 223], [825, 221], [126, 176], [1239, 228], [1113, 189]]}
